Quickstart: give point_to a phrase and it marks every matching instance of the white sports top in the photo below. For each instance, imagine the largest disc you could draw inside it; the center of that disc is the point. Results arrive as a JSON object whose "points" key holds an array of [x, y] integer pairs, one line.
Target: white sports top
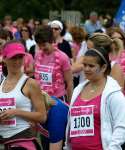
{"points": [[14, 99]]}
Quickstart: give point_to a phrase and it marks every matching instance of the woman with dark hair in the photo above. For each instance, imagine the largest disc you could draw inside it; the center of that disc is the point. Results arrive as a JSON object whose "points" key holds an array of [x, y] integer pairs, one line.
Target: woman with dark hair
{"points": [[98, 40], [52, 66], [97, 108], [102, 40], [26, 34], [53, 73]]}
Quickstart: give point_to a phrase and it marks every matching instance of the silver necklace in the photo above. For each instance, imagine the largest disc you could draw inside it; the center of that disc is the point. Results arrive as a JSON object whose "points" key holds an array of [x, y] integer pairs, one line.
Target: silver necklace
{"points": [[94, 88]]}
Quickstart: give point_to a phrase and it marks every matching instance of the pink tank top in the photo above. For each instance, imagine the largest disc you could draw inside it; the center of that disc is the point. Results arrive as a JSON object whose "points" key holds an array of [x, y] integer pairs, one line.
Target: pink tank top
{"points": [[85, 124]]}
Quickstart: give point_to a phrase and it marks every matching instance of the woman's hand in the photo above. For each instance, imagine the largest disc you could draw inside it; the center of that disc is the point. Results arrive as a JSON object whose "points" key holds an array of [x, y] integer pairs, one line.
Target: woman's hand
{"points": [[7, 114]]}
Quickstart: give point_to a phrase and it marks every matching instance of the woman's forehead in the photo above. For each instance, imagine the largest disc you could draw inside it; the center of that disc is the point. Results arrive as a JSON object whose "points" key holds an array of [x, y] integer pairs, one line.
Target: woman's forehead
{"points": [[90, 59]]}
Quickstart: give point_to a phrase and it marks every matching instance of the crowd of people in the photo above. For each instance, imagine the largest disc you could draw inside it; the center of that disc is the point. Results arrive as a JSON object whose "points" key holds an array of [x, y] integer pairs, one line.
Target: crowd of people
{"points": [[61, 86]]}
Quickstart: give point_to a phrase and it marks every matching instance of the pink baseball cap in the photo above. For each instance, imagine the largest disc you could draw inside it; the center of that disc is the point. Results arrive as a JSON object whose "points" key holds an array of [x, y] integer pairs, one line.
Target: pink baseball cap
{"points": [[12, 49]]}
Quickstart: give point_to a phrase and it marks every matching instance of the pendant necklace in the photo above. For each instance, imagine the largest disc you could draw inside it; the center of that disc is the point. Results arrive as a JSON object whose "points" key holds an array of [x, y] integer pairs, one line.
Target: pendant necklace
{"points": [[94, 88]]}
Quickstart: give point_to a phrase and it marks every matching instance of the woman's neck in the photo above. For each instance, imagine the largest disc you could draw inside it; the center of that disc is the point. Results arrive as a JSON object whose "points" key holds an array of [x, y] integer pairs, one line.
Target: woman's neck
{"points": [[59, 39], [26, 38], [98, 82], [14, 75], [96, 86], [50, 50]]}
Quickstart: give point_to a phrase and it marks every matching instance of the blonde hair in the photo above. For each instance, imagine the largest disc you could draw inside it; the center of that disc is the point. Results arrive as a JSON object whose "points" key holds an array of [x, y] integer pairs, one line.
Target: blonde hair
{"points": [[101, 40], [119, 45]]}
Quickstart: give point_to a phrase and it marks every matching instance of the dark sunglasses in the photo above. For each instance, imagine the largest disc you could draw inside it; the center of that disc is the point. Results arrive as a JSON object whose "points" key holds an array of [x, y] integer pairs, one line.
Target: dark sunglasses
{"points": [[55, 29]]}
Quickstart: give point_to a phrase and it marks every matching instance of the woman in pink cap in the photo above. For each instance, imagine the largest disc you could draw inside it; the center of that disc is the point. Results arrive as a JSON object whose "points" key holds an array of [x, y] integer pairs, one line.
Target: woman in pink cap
{"points": [[20, 101]]}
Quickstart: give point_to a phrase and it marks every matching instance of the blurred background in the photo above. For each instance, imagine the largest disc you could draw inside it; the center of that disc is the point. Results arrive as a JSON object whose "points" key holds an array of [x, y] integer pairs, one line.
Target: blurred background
{"points": [[44, 8]]}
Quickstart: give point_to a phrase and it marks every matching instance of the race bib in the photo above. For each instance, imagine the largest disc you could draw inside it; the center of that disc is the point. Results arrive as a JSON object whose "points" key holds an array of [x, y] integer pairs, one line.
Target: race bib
{"points": [[45, 74], [8, 103], [82, 121], [46, 77]]}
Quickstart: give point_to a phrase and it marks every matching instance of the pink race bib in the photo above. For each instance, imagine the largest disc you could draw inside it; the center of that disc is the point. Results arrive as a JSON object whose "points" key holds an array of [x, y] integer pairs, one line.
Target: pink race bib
{"points": [[8, 103]]}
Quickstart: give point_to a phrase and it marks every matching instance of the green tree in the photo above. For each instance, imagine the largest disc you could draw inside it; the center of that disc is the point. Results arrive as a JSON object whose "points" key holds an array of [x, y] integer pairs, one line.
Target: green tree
{"points": [[40, 8]]}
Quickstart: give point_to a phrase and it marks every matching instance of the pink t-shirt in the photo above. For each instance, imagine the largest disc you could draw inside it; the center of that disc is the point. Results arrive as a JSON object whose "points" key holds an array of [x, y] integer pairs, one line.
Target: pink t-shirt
{"points": [[85, 132], [49, 71]]}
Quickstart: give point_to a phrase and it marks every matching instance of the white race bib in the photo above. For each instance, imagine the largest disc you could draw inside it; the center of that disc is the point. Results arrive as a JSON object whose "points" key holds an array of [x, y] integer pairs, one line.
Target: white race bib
{"points": [[45, 74], [82, 121], [46, 77]]}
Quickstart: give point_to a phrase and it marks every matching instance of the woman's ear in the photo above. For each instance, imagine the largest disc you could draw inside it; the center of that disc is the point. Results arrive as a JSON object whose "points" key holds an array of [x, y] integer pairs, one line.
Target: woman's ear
{"points": [[103, 68]]}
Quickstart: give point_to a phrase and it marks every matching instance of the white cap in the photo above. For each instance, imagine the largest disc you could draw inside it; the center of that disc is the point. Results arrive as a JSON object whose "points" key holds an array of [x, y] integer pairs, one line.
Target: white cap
{"points": [[56, 23]]}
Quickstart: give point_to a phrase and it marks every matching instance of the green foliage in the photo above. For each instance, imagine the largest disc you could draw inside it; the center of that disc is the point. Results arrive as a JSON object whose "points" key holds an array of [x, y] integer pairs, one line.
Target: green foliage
{"points": [[101, 6], [40, 8]]}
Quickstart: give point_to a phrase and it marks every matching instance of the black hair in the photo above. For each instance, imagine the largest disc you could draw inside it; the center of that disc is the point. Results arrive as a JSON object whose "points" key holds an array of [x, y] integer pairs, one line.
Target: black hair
{"points": [[64, 28], [102, 58], [29, 31], [24, 44], [44, 34]]}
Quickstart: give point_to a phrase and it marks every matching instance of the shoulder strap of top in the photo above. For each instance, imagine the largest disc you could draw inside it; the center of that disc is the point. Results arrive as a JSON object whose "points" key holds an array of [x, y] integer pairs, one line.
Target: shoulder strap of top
{"points": [[21, 82], [1, 83]]}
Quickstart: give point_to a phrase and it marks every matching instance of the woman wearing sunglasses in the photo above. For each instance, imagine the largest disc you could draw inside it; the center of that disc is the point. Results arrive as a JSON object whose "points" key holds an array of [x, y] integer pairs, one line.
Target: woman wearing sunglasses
{"points": [[26, 35], [58, 29]]}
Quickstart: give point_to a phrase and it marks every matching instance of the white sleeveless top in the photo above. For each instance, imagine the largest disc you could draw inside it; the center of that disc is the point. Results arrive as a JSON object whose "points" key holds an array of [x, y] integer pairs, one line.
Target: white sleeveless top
{"points": [[14, 99]]}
